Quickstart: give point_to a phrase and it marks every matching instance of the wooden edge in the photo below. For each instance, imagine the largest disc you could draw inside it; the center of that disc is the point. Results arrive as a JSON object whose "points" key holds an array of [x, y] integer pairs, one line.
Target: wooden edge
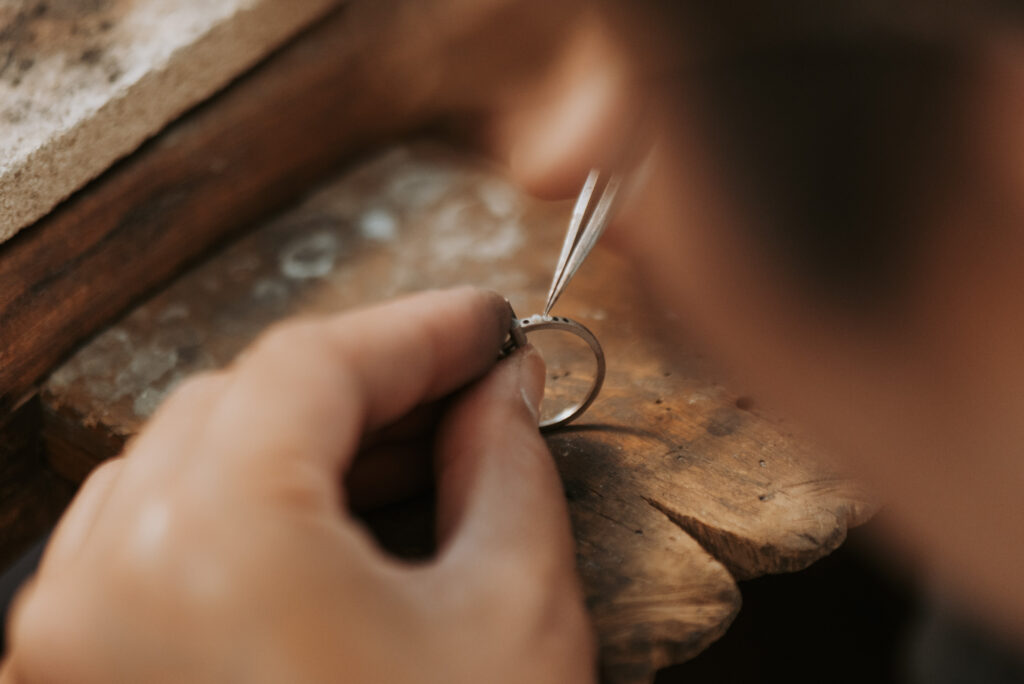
{"points": [[248, 152]]}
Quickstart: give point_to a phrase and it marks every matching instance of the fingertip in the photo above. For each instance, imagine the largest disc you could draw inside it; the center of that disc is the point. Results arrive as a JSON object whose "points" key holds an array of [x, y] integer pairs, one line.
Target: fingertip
{"points": [[488, 305], [501, 312]]}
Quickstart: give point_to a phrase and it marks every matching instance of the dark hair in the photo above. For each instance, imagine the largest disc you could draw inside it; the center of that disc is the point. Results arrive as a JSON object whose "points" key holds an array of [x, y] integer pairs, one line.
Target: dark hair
{"points": [[833, 121]]}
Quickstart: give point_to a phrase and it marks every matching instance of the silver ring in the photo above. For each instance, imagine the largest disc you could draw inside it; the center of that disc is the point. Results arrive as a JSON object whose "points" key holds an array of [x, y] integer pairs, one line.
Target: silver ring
{"points": [[517, 338]]}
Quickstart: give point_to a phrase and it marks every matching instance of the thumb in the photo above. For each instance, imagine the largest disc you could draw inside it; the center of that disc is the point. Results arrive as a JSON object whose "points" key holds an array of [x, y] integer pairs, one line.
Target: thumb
{"points": [[499, 494]]}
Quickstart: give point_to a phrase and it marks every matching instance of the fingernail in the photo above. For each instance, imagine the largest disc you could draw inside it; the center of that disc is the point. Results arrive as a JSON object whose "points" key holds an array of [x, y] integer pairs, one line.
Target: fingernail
{"points": [[532, 374], [502, 310]]}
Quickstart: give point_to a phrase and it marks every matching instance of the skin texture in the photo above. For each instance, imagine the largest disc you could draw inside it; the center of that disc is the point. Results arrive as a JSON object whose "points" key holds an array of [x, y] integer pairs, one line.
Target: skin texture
{"points": [[917, 391], [218, 548]]}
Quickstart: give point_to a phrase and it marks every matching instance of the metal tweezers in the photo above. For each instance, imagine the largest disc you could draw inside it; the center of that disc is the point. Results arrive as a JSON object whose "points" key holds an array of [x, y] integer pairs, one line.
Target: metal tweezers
{"points": [[590, 217]]}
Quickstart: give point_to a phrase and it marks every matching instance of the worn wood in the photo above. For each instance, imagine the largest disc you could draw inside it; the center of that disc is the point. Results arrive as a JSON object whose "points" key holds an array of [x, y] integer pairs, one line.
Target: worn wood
{"points": [[249, 151], [84, 82], [676, 484], [32, 496]]}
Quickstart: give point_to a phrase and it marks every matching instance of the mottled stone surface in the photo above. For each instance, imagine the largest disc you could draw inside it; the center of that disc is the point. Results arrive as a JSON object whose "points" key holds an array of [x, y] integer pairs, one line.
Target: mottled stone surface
{"points": [[84, 82]]}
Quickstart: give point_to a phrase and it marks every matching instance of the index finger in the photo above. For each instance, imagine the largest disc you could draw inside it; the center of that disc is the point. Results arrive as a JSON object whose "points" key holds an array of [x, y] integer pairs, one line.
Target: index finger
{"points": [[306, 392]]}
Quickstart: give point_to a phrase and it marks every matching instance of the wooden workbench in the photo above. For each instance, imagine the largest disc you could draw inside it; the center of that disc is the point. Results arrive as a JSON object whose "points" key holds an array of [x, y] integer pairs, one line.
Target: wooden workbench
{"points": [[677, 486]]}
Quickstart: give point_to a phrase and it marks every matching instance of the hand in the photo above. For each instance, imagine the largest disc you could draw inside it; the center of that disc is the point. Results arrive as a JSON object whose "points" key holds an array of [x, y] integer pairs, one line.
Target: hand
{"points": [[218, 548]]}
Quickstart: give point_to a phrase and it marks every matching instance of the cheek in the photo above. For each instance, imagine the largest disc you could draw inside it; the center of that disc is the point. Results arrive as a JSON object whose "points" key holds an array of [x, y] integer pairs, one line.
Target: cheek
{"points": [[678, 233], [688, 246]]}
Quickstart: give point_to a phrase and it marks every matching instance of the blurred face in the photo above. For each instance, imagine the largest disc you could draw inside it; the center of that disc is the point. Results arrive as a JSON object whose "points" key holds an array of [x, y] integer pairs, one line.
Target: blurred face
{"points": [[921, 387]]}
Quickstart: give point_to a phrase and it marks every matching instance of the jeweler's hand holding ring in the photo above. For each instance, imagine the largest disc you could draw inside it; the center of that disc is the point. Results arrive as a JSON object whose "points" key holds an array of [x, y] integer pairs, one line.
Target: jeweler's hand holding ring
{"points": [[219, 547]]}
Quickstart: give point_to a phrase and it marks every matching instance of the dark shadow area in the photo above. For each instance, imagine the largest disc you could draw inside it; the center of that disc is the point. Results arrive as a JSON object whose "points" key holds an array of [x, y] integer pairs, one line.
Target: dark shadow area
{"points": [[844, 620]]}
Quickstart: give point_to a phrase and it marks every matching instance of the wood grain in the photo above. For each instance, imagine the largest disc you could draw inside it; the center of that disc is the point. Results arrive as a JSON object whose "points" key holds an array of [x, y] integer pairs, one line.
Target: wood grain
{"points": [[677, 486], [32, 496]]}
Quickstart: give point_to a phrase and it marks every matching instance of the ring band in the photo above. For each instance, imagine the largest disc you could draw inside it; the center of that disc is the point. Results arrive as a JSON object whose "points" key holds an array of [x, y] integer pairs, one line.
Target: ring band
{"points": [[517, 338]]}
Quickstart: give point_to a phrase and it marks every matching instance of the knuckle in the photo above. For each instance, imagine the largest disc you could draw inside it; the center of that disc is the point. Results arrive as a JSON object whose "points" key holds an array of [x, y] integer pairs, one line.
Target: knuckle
{"points": [[310, 353], [103, 473], [295, 488], [288, 339], [198, 385], [195, 390]]}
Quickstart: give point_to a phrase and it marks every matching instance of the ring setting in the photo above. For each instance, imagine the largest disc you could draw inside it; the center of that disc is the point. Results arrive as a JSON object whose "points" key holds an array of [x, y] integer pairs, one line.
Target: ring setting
{"points": [[517, 338]]}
